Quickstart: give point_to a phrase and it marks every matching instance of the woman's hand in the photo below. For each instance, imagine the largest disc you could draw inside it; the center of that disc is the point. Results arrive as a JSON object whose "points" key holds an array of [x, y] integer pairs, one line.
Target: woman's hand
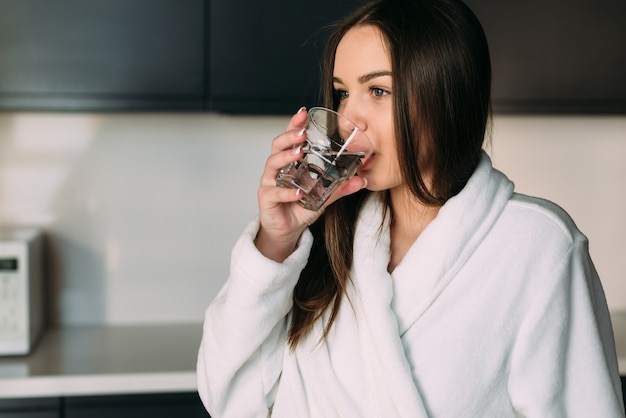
{"points": [[283, 219]]}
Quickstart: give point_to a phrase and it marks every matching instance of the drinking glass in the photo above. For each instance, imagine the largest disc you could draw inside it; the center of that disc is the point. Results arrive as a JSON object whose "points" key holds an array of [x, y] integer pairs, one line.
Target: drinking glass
{"points": [[333, 150]]}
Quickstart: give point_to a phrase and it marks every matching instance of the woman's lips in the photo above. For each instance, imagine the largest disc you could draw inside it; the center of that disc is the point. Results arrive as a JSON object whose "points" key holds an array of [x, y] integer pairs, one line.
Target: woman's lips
{"points": [[366, 162]]}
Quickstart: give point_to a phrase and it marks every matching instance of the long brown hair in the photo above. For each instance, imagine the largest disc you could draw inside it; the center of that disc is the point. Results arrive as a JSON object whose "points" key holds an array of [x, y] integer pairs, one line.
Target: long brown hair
{"points": [[441, 90]]}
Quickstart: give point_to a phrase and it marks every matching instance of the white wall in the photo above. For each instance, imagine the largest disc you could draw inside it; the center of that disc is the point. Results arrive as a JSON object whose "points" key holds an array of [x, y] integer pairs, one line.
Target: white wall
{"points": [[141, 210], [580, 164]]}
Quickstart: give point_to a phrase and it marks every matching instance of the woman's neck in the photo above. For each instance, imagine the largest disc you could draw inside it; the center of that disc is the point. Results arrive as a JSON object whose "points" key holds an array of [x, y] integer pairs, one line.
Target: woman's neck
{"points": [[409, 218]]}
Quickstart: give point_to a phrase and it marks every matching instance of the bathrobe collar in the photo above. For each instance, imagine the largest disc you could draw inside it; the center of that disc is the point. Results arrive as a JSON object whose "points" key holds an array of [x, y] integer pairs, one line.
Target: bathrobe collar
{"points": [[442, 248], [391, 303]]}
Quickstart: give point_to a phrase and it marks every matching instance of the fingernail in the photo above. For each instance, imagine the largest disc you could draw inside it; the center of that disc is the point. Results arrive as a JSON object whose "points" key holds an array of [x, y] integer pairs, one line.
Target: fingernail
{"points": [[364, 183], [298, 191], [296, 151], [300, 133], [301, 109]]}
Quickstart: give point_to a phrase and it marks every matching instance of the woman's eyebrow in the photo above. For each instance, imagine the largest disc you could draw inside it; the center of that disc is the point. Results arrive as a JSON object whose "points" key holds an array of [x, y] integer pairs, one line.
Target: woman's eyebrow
{"points": [[366, 77], [369, 76]]}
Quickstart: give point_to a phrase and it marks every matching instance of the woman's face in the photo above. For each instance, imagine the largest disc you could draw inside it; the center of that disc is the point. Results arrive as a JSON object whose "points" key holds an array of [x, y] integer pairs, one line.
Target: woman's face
{"points": [[362, 79]]}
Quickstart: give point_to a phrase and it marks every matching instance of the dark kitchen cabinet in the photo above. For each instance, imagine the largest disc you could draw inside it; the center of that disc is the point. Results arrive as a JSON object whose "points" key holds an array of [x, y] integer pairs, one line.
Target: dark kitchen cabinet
{"points": [[262, 57], [102, 54], [30, 414], [265, 57], [186, 405], [30, 408], [556, 56], [165, 405], [238, 56]]}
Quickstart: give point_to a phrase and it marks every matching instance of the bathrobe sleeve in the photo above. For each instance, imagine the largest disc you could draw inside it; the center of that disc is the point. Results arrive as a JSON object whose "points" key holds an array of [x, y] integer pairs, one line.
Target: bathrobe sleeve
{"points": [[241, 353], [564, 362]]}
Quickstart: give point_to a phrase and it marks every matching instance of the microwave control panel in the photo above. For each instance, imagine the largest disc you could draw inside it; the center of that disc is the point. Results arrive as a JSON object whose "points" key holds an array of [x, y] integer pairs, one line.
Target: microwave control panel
{"points": [[21, 290], [11, 303]]}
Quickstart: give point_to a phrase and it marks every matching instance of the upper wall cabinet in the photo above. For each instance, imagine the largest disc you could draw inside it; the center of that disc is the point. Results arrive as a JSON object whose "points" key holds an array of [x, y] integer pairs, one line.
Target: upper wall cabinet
{"points": [[102, 54], [556, 56], [266, 55]]}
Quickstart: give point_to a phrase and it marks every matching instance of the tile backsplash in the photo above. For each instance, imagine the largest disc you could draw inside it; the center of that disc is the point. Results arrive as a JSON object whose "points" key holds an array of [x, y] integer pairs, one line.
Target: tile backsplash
{"points": [[141, 210]]}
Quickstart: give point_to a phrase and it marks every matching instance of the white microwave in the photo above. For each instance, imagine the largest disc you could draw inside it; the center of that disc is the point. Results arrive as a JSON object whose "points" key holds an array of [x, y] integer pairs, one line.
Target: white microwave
{"points": [[21, 290]]}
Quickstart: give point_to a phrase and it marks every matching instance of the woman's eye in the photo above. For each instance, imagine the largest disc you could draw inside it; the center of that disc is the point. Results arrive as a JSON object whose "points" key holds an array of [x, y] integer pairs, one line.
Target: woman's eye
{"points": [[341, 94], [378, 92]]}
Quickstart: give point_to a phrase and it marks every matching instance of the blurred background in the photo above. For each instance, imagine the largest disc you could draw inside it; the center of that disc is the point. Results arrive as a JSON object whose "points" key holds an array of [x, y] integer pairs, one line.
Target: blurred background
{"points": [[133, 134], [141, 210]]}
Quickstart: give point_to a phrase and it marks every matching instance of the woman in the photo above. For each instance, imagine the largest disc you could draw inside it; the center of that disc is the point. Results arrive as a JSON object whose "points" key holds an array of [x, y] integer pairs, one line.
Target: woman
{"points": [[425, 286]]}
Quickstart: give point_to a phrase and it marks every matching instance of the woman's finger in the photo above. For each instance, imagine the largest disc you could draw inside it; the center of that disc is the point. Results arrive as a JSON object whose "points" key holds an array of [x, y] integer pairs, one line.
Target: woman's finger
{"points": [[288, 140], [276, 162], [270, 196], [294, 133], [298, 120]]}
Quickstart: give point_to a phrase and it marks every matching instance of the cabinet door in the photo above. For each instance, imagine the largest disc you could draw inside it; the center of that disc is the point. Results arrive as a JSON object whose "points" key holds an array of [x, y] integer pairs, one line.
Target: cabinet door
{"points": [[265, 56], [171, 405], [557, 56], [29, 414], [101, 54], [30, 408]]}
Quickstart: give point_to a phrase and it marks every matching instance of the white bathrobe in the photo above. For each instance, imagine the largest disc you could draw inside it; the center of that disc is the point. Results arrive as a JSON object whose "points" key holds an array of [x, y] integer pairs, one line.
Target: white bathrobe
{"points": [[495, 311]]}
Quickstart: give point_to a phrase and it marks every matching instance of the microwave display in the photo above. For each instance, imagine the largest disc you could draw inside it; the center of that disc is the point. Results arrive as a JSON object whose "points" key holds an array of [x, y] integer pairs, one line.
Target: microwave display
{"points": [[8, 264]]}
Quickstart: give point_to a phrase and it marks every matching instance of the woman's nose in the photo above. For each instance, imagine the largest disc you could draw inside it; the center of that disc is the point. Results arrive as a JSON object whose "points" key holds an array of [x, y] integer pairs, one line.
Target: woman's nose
{"points": [[353, 119], [346, 126]]}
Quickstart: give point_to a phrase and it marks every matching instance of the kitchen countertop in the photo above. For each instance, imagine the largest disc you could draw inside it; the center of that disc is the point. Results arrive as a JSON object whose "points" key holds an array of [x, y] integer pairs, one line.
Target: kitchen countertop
{"points": [[105, 360], [110, 360]]}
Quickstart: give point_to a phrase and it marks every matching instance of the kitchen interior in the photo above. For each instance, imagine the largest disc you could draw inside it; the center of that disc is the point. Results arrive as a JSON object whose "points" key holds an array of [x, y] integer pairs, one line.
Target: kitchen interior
{"points": [[132, 138]]}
